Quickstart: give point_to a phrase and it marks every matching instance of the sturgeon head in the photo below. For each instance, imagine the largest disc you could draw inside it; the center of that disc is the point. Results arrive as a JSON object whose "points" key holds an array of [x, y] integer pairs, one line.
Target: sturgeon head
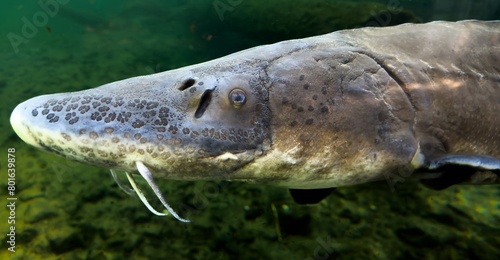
{"points": [[309, 113], [199, 122]]}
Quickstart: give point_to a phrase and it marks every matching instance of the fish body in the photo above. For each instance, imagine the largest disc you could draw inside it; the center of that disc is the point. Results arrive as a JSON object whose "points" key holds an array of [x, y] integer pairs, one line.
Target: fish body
{"points": [[345, 108]]}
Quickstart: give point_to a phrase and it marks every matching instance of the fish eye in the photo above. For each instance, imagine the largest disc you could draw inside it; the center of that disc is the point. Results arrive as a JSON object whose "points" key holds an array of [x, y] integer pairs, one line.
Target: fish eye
{"points": [[237, 97]]}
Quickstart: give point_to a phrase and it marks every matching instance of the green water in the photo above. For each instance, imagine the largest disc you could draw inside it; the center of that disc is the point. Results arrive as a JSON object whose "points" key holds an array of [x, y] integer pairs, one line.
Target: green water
{"points": [[66, 210]]}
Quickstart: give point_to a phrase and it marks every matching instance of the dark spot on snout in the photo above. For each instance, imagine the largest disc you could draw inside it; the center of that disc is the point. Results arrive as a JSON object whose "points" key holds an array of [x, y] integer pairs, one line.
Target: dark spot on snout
{"points": [[66, 137], [93, 135], [96, 116], [138, 123], [163, 112], [71, 107], [309, 121], [162, 121], [73, 120], [34, 112], [54, 119], [103, 109], [57, 108], [173, 130], [123, 117], [142, 104], [148, 114], [186, 84], [106, 100], [110, 117], [84, 109]]}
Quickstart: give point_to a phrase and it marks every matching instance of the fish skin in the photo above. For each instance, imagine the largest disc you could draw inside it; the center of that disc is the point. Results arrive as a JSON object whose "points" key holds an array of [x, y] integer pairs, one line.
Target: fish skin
{"points": [[339, 109]]}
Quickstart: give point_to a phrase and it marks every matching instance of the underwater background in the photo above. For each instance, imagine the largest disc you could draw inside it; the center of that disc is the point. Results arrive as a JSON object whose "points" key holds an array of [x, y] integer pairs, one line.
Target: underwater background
{"points": [[67, 210]]}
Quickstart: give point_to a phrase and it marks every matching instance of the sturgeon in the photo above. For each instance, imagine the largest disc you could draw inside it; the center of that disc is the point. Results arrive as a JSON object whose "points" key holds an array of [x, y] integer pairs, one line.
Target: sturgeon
{"points": [[416, 101]]}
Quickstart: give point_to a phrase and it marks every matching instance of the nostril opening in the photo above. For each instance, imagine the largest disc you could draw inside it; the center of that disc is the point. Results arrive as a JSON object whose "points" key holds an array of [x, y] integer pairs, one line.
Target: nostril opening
{"points": [[188, 83], [204, 102]]}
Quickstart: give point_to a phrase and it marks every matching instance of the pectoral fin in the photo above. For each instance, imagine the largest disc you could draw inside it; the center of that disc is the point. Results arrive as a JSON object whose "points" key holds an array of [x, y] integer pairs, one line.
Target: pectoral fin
{"points": [[461, 168], [310, 196]]}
